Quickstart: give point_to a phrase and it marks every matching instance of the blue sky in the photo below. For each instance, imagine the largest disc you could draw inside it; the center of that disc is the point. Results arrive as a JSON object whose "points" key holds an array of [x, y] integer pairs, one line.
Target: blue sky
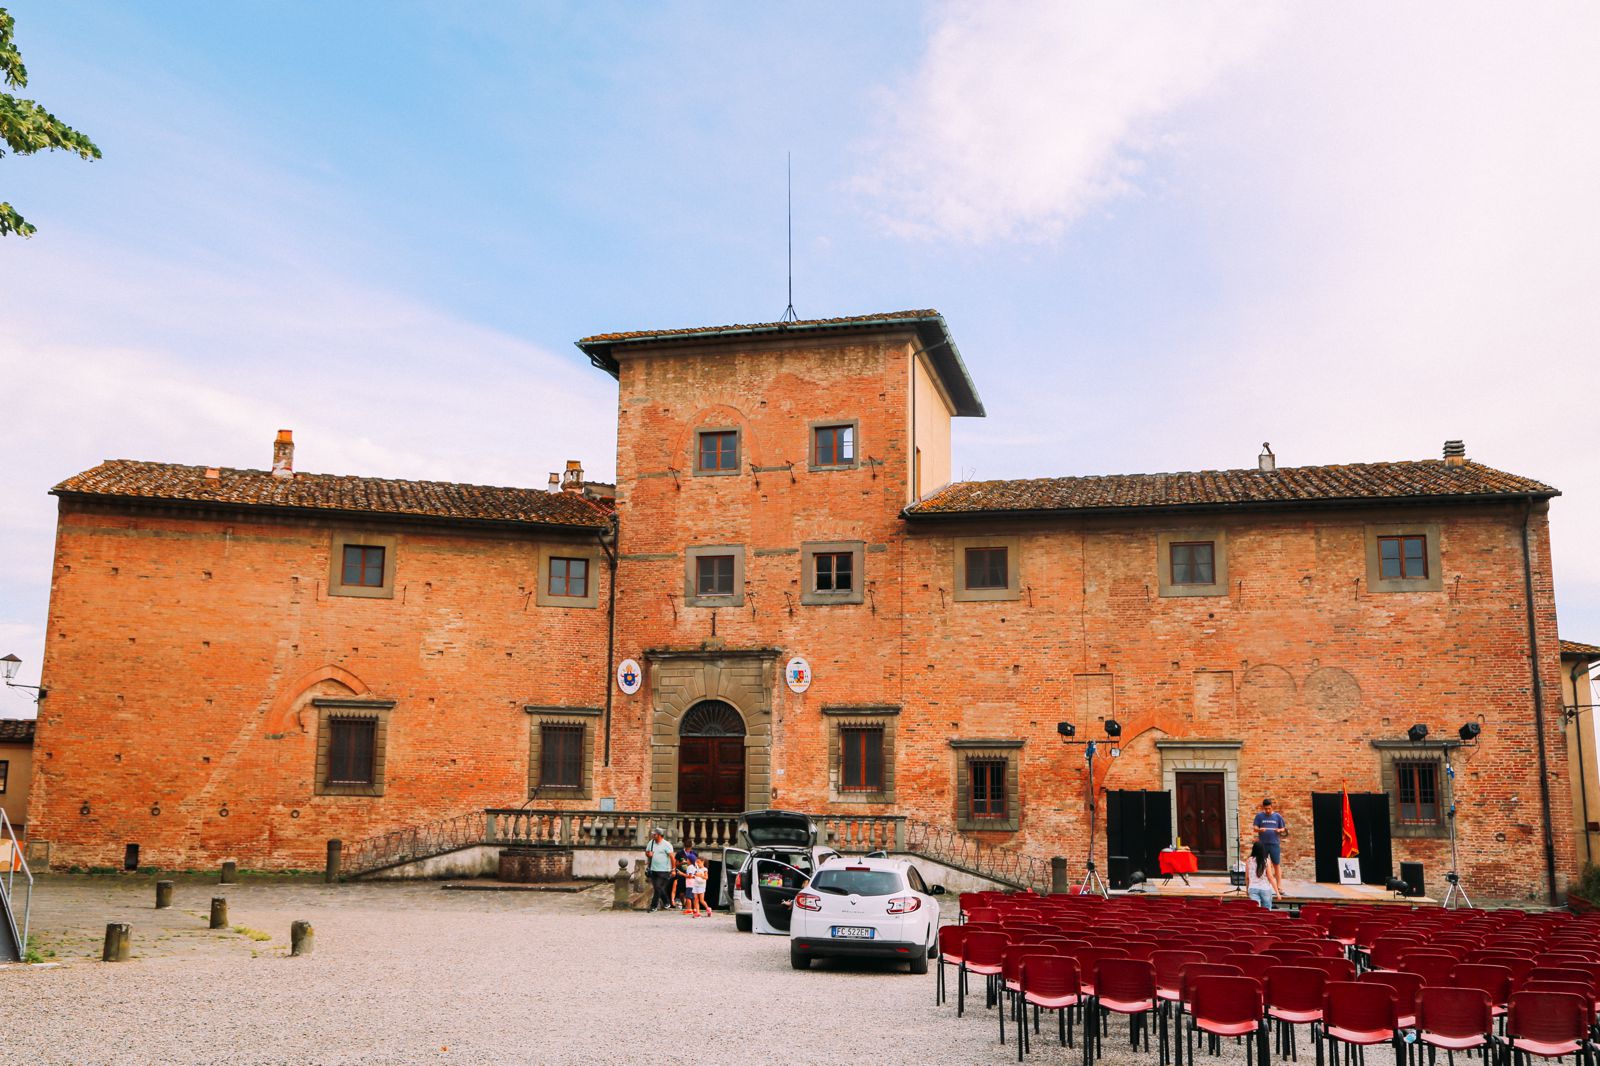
{"points": [[1161, 236]]}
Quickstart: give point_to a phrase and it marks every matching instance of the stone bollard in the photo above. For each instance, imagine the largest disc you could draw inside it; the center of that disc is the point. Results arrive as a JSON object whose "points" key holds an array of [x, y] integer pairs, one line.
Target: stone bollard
{"points": [[621, 888], [230, 871], [119, 940], [1058, 876], [163, 895], [219, 912], [302, 938], [335, 855]]}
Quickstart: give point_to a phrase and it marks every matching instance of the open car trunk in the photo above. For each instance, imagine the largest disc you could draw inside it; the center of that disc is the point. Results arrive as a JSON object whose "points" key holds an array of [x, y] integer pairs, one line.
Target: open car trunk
{"points": [[777, 829], [776, 885]]}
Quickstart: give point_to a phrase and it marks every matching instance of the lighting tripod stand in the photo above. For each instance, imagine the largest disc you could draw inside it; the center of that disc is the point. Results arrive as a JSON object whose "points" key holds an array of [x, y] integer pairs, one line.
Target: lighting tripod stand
{"points": [[1091, 876], [1456, 894]]}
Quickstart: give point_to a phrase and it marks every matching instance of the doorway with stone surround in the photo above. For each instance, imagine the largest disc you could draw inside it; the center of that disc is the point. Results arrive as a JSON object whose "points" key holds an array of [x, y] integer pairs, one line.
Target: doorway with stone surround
{"points": [[699, 702], [1203, 779]]}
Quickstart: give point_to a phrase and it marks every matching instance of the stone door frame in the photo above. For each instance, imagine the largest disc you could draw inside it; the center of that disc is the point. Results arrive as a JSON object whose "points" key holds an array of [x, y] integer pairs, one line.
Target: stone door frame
{"points": [[742, 679], [1216, 756]]}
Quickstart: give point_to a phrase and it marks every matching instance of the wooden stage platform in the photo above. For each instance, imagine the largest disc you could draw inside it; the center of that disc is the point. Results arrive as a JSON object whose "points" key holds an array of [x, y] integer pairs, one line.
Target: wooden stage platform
{"points": [[1294, 892]]}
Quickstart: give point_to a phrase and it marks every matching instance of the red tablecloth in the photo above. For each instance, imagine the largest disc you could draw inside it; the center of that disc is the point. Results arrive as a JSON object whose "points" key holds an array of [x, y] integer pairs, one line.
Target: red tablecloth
{"points": [[1178, 862]]}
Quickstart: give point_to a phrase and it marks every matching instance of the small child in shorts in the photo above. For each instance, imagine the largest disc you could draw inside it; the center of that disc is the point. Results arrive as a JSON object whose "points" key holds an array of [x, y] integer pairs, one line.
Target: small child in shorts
{"points": [[697, 889]]}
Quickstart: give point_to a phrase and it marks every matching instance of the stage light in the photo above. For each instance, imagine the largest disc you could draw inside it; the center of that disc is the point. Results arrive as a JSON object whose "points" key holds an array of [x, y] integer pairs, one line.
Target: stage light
{"points": [[1469, 732], [1113, 727], [1418, 733], [1397, 886], [1066, 729]]}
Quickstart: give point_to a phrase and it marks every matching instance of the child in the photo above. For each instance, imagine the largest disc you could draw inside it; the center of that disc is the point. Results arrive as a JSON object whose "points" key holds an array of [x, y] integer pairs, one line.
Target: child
{"points": [[686, 876], [697, 889]]}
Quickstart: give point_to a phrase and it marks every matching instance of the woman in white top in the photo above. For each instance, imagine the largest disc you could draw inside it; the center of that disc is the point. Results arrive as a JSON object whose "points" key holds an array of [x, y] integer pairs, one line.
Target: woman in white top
{"points": [[1258, 874]]}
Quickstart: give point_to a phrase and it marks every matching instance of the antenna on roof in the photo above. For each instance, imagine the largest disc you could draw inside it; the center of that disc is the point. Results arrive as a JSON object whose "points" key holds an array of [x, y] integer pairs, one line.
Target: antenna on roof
{"points": [[788, 313]]}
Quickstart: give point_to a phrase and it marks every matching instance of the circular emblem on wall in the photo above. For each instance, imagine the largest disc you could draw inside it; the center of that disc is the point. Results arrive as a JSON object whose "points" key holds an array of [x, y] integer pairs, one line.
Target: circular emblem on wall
{"points": [[629, 676], [797, 674]]}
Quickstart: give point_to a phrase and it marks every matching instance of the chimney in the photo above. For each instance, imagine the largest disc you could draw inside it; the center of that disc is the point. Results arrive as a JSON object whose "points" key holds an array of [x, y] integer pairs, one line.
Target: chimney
{"points": [[572, 480], [1455, 453], [555, 482], [283, 454], [1266, 460], [213, 477]]}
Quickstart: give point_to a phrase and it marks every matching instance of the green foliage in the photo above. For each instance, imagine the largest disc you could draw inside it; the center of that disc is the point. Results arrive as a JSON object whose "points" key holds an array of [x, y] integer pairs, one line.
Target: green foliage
{"points": [[25, 127], [253, 934], [1588, 886]]}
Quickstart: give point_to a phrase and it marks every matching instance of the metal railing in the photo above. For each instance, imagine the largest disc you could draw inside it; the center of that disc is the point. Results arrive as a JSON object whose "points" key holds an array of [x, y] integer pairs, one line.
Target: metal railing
{"points": [[543, 827], [993, 861], [14, 860]]}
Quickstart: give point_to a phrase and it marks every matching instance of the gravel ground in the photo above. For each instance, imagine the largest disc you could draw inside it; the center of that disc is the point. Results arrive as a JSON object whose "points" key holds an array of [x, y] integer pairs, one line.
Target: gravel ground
{"points": [[413, 974]]}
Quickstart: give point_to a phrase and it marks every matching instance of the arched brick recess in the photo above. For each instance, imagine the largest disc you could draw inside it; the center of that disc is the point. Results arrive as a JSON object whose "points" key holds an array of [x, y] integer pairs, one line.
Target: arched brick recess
{"points": [[285, 707], [678, 681], [1163, 720]]}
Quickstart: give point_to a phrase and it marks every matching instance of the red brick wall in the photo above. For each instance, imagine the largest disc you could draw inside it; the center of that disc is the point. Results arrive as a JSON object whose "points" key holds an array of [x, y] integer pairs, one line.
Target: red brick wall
{"points": [[183, 653]]}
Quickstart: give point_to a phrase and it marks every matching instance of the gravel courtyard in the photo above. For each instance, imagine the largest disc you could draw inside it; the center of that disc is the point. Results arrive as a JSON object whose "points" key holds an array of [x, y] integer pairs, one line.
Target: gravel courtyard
{"points": [[410, 973]]}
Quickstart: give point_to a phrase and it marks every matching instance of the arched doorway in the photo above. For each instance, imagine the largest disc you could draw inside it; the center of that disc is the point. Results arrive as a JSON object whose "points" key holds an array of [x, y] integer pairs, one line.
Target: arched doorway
{"points": [[711, 759]]}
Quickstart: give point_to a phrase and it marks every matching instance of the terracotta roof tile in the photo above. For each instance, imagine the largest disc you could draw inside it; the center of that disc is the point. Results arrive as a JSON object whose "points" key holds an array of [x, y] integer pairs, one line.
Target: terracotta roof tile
{"points": [[132, 479], [1354, 482], [16, 730], [1579, 651], [755, 327]]}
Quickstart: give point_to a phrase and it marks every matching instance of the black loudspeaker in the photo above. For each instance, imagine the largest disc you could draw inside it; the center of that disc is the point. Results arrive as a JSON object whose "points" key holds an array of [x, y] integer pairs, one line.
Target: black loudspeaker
{"points": [[1117, 871], [1411, 874]]}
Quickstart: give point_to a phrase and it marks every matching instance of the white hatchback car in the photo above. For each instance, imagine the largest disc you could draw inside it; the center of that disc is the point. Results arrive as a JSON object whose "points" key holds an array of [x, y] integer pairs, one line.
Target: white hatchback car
{"points": [[865, 908]]}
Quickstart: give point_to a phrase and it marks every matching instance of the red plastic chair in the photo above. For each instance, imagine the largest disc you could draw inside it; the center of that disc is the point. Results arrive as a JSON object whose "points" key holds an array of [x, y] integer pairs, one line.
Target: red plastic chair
{"points": [[1287, 953], [1252, 965], [951, 941], [1336, 969], [1088, 960], [1360, 1014], [1294, 997], [1433, 969], [1049, 983], [1386, 951], [1216, 952], [1122, 986], [983, 953], [1455, 1019], [1520, 966], [1493, 981], [1406, 987], [1010, 986], [1547, 1024], [1327, 949], [1228, 1006], [1343, 924]]}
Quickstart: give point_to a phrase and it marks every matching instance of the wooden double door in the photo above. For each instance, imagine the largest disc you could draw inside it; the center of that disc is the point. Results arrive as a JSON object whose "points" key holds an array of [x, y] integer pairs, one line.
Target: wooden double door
{"points": [[1203, 816], [711, 759]]}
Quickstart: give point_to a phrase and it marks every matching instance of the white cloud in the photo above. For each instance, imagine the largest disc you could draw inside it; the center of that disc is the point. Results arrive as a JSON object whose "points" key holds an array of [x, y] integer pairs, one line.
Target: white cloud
{"points": [[1394, 205], [1022, 116]]}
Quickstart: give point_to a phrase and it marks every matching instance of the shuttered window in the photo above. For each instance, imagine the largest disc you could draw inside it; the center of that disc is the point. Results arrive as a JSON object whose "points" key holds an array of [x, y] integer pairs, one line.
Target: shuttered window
{"points": [[987, 794], [561, 756], [352, 743], [861, 759]]}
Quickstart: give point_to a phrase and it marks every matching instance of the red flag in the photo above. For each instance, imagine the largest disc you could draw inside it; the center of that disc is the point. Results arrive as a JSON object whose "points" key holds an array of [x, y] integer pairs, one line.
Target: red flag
{"points": [[1347, 832]]}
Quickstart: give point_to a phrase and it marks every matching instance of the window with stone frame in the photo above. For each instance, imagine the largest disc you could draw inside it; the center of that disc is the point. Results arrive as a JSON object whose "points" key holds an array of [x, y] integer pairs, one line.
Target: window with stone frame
{"points": [[561, 752], [833, 446], [361, 564], [713, 575], [1194, 563], [861, 742], [1404, 557], [831, 572], [988, 793], [1413, 775], [987, 568], [352, 746]]}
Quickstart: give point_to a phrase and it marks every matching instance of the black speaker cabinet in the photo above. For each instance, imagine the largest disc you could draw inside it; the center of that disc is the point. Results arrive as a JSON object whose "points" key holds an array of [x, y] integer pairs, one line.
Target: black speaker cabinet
{"points": [[1411, 874], [1119, 869]]}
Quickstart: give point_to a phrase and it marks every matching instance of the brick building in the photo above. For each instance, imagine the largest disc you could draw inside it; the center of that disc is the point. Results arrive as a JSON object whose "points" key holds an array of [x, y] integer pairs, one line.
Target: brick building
{"points": [[785, 490]]}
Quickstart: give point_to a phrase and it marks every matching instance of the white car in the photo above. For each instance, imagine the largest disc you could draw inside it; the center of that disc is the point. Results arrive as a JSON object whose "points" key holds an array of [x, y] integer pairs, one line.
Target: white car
{"points": [[865, 908], [779, 855]]}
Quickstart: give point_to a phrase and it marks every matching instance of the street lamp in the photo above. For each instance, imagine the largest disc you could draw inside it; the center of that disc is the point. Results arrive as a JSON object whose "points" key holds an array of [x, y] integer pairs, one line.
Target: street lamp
{"points": [[11, 664]]}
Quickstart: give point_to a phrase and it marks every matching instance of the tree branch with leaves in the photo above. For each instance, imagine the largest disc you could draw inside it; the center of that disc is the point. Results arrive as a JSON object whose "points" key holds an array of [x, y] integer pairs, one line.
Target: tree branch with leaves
{"points": [[25, 127]]}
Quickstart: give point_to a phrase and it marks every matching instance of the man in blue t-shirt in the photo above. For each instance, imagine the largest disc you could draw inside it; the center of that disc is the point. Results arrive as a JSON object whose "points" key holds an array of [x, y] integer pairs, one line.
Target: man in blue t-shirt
{"points": [[1270, 830]]}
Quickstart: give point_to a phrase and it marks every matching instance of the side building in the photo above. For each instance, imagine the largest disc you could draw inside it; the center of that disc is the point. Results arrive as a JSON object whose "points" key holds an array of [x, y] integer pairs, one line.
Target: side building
{"points": [[242, 664]]}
